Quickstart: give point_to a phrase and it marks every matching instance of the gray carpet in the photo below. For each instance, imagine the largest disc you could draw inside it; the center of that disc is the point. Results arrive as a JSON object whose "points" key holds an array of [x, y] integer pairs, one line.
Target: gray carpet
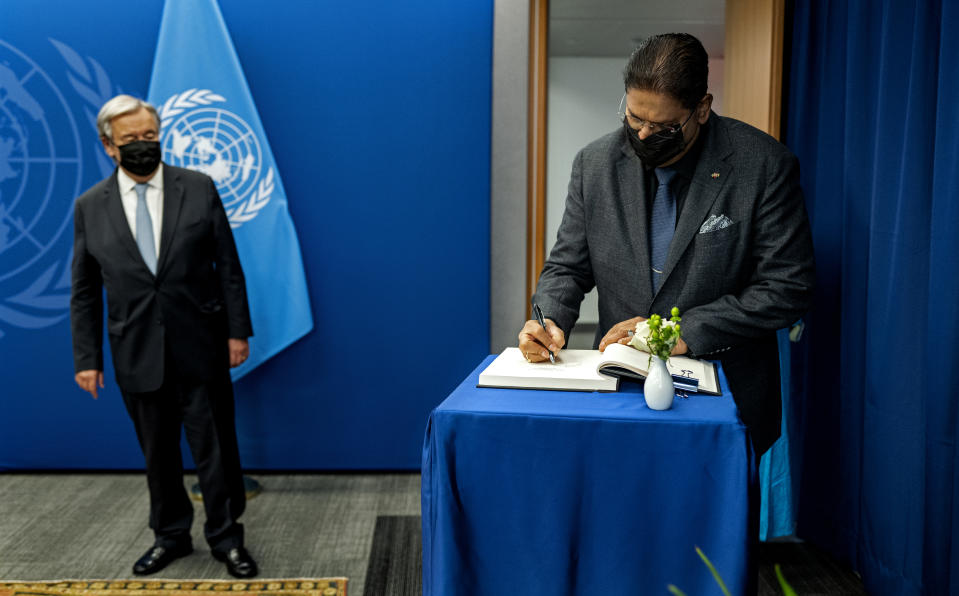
{"points": [[809, 570], [396, 568], [362, 526], [396, 558], [94, 526]]}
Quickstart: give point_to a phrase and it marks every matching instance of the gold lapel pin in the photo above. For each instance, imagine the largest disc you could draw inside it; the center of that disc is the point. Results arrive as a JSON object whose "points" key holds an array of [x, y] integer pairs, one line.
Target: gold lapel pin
{"points": [[715, 175]]}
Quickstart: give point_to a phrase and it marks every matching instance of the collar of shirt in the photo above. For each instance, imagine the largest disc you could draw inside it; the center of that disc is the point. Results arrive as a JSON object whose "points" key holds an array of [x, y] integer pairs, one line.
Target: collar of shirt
{"points": [[127, 184]]}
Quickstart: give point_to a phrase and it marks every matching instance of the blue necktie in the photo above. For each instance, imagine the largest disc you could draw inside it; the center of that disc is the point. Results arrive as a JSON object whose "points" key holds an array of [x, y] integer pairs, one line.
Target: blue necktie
{"points": [[145, 229], [662, 224]]}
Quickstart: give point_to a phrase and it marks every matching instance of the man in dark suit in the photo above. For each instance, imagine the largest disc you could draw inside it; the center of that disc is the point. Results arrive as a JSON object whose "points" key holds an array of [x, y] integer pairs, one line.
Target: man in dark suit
{"points": [[157, 239], [681, 207]]}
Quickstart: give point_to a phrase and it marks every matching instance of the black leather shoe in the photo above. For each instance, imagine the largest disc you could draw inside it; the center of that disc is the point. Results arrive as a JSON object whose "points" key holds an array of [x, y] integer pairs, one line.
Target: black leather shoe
{"points": [[238, 562], [159, 557]]}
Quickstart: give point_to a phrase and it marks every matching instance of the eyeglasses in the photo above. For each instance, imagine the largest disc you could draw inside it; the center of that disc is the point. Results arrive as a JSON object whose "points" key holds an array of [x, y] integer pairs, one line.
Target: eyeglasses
{"points": [[638, 124]]}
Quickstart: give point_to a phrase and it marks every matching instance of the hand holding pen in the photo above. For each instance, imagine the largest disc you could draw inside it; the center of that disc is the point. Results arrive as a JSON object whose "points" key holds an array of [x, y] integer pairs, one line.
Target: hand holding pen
{"points": [[540, 339]]}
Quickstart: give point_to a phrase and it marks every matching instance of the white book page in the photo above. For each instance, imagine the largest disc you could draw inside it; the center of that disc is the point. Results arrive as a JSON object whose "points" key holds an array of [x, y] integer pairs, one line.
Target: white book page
{"points": [[574, 369]]}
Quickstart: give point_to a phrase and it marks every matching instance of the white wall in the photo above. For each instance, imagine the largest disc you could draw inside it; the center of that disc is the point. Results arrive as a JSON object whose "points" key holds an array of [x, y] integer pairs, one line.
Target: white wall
{"points": [[508, 307], [584, 96]]}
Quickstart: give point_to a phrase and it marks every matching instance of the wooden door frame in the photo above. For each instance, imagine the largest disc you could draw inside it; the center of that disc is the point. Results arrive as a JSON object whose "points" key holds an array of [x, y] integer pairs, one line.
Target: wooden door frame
{"points": [[536, 145], [753, 63]]}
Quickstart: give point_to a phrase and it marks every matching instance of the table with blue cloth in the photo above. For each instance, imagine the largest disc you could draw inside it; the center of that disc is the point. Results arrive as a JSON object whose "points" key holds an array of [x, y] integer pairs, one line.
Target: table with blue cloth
{"points": [[563, 492]]}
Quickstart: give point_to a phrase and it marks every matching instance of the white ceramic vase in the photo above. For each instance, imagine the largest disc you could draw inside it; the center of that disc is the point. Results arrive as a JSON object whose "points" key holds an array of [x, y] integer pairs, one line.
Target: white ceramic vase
{"points": [[658, 388]]}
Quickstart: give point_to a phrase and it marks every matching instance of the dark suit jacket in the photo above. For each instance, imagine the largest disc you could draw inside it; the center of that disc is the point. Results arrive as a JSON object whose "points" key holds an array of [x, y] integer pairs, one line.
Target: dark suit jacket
{"points": [[734, 285], [196, 301]]}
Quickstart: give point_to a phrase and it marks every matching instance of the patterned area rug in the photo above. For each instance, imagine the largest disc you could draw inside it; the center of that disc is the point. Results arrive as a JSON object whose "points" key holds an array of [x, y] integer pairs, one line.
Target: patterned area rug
{"points": [[335, 586]]}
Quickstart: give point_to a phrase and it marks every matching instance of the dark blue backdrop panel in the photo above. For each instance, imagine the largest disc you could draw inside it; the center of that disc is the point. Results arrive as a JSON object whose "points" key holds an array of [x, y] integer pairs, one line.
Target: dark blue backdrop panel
{"points": [[873, 119], [379, 119]]}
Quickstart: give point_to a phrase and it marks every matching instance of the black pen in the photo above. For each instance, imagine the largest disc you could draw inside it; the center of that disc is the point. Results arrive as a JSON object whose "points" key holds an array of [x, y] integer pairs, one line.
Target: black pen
{"points": [[539, 317]]}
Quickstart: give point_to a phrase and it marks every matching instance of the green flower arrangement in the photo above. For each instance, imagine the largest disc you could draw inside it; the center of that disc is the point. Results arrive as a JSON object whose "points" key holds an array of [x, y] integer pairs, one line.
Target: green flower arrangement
{"points": [[656, 336]]}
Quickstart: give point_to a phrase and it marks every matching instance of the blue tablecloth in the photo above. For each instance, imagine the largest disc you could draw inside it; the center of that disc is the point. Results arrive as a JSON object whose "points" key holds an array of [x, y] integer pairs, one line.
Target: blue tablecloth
{"points": [[552, 492]]}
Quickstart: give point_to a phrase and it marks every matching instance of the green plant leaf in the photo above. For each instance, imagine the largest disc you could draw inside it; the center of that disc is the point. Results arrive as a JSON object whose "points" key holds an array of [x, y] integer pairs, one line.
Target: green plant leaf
{"points": [[675, 591], [787, 589], [712, 569]]}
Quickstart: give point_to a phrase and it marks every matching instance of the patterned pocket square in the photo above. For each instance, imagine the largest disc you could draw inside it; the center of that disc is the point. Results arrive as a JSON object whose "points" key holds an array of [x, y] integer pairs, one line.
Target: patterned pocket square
{"points": [[715, 222]]}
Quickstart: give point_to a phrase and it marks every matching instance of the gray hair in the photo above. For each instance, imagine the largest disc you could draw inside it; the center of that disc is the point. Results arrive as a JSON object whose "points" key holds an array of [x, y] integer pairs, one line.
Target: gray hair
{"points": [[119, 106]]}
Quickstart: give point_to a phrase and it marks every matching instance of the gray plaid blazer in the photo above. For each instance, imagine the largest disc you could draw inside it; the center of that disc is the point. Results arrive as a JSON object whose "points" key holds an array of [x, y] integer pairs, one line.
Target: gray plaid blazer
{"points": [[740, 265]]}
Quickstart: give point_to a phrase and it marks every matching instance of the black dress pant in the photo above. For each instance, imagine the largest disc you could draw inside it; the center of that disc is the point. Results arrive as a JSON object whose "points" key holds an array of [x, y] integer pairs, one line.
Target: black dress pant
{"points": [[205, 411]]}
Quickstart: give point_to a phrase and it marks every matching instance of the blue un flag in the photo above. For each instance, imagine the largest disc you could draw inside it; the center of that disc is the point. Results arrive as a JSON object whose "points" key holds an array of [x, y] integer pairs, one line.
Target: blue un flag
{"points": [[209, 124]]}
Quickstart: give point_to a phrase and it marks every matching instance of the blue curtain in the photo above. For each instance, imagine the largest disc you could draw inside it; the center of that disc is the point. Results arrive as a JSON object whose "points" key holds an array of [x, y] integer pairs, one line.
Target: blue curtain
{"points": [[873, 114]]}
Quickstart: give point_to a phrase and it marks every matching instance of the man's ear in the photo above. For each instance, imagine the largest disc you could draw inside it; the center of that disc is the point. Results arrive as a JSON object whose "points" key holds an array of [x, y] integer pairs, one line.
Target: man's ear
{"points": [[702, 110], [111, 149]]}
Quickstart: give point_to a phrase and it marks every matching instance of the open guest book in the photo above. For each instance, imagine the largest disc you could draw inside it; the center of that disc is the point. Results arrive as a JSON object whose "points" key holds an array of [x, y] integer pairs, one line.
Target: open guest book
{"points": [[592, 370]]}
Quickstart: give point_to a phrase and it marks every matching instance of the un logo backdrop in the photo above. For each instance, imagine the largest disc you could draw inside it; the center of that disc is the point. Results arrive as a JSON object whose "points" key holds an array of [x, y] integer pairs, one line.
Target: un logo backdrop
{"points": [[41, 172], [370, 224], [50, 93], [45, 162]]}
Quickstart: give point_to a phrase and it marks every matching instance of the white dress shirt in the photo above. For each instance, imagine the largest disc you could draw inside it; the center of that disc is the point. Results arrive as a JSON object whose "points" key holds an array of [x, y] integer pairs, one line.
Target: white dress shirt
{"points": [[128, 196]]}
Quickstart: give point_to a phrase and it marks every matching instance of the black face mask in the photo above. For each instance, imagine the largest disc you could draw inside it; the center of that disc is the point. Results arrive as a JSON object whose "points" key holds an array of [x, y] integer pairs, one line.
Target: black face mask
{"points": [[657, 149], [140, 157]]}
